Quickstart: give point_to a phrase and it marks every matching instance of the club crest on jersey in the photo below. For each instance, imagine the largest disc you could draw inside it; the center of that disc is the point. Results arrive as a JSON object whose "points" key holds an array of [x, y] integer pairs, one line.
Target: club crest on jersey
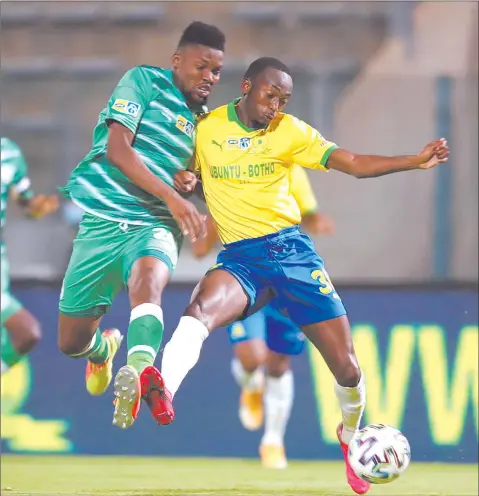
{"points": [[185, 125], [126, 107], [239, 143]]}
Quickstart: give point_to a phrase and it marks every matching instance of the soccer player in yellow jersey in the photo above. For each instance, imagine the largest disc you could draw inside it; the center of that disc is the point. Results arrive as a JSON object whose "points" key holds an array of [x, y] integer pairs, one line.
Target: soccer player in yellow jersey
{"points": [[244, 153], [264, 343]]}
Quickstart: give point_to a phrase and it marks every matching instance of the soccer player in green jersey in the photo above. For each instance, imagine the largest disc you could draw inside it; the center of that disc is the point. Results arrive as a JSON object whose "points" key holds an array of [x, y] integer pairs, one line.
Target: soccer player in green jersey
{"points": [[20, 330], [134, 219]]}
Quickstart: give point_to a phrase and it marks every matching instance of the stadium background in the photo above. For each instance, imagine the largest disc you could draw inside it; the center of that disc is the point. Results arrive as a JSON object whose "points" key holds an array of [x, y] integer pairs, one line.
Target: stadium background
{"points": [[377, 77]]}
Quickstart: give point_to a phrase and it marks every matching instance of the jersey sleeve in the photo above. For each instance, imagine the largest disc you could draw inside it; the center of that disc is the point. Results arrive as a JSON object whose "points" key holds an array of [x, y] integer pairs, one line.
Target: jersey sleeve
{"points": [[302, 191], [308, 148], [21, 183], [130, 98]]}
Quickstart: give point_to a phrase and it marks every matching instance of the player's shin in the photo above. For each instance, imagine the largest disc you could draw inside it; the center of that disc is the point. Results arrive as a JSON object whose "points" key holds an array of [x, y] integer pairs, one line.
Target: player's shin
{"points": [[182, 351], [278, 401], [145, 334], [352, 401]]}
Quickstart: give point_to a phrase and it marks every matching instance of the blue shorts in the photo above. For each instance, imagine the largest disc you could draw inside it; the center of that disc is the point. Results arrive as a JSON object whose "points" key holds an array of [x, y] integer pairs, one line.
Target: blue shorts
{"points": [[283, 266], [269, 325]]}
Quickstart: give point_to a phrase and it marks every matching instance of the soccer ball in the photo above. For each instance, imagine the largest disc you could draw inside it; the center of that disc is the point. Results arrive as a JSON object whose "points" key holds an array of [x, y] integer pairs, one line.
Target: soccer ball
{"points": [[379, 453]]}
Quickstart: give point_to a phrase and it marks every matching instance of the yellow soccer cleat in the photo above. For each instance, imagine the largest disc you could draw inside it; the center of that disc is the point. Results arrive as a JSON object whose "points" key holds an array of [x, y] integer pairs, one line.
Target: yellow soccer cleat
{"points": [[99, 375], [251, 409], [272, 456]]}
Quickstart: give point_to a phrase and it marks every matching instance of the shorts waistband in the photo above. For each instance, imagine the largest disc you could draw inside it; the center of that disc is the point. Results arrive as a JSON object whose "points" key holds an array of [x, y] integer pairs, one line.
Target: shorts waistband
{"points": [[267, 238]]}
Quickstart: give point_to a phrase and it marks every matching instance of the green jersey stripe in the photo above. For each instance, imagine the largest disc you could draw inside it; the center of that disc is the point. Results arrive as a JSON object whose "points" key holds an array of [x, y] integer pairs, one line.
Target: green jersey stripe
{"points": [[148, 103]]}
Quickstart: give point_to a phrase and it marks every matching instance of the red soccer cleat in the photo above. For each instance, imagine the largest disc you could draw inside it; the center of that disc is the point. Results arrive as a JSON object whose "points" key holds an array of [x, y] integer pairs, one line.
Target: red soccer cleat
{"points": [[156, 396], [358, 485]]}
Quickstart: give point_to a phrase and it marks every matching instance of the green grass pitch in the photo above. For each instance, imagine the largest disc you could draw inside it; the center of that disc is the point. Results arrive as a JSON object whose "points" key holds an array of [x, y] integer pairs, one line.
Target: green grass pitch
{"points": [[135, 476]]}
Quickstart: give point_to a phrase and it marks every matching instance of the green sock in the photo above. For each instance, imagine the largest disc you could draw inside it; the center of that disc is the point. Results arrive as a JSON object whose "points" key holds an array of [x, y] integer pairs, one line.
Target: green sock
{"points": [[144, 339], [97, 350], [9, 355]]}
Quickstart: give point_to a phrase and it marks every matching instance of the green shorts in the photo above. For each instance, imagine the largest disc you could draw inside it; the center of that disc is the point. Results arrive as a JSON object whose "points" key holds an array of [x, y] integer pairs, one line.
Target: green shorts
{"points": [[10, 305], [103, 254]]}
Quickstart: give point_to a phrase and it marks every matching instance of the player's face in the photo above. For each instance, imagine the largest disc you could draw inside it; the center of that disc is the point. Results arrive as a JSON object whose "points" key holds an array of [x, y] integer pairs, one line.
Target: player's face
{"points": [[267, 95], [197, 69]]}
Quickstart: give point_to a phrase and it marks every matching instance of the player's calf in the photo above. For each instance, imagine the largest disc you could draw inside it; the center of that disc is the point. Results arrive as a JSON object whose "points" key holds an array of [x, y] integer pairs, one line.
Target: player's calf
{"points": [[81, 338]]}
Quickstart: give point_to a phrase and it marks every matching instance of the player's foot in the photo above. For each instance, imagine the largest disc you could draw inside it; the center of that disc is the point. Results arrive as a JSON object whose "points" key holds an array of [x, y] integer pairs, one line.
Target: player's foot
{"points": [[251, 409], [99, 375], [358, 485], [156, 396], [272, 456], [127, 397]]}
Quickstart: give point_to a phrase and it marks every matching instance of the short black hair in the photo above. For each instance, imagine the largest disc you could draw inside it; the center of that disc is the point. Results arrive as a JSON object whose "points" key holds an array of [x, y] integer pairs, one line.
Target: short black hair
{"points": [[259, 65], [199, 33]]}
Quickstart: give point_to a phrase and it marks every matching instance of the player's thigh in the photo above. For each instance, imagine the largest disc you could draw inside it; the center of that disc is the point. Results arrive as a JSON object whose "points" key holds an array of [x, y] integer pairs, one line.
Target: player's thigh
{"points": [[149, 259], [218, 300], [333, 340], [248, 340], [76, 333], [94, 274]]}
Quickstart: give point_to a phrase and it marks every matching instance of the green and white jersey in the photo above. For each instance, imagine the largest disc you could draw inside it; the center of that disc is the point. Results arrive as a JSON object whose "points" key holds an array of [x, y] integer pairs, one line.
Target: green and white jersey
{"points": [[13, 176], [149, 104]]}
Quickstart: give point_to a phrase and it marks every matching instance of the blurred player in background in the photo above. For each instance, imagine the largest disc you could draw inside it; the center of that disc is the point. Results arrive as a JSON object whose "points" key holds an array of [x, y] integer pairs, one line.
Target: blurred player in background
{"points": [[20, 330], [247, 186], [265, 341], [134, 220]]}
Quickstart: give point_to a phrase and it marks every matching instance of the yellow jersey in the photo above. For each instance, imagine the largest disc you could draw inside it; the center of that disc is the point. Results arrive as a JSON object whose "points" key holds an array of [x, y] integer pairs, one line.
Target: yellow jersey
{"points": [[247, 174]]}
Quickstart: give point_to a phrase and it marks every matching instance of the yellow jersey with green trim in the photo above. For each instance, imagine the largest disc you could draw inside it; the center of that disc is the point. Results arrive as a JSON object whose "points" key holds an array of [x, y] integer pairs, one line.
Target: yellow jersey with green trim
{"points": [[302, 191], [247, 174]]}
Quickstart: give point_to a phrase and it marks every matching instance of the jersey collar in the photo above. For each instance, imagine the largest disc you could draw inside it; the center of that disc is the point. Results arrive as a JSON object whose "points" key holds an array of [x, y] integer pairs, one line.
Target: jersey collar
{"points": [[233, 117]]}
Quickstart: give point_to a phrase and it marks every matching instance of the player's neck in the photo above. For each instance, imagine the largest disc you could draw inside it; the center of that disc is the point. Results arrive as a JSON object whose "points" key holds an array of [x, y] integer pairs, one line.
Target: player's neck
{"points": [[244, 118]]}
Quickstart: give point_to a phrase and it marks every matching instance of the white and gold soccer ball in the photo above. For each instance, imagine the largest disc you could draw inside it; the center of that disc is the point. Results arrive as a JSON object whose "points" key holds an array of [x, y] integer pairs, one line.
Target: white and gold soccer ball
{"points": [[379, 453]]}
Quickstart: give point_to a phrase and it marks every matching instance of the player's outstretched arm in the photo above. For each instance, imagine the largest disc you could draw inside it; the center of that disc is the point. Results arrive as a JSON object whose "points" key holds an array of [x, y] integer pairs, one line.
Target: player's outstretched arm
{"points": [[122, 155], [364, 166]]}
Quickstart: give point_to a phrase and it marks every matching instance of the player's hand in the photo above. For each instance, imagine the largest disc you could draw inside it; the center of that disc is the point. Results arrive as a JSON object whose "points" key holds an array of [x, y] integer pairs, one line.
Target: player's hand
{"points": [[433, 154], [326, 225], [185, 181], [42, 205], [191, 222], [317, 223]]}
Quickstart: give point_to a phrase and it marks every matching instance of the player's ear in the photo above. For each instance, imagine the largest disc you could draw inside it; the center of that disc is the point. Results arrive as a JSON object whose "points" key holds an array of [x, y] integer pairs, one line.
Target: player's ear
{"points": [[175, 60], [246, 86]]}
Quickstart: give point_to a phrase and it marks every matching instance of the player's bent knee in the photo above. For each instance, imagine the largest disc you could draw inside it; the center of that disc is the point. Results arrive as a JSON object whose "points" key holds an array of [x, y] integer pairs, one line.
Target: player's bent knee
{"points": [[29, 338]]}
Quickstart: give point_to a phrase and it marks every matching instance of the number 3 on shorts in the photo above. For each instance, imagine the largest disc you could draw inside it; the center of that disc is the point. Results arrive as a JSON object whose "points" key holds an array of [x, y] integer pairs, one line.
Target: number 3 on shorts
{"points": [[323, 278]]}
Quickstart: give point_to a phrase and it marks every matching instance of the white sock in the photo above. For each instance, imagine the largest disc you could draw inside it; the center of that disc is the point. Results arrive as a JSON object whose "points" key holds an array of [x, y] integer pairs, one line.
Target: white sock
{"points": [[252, 381], [278, 400], [4, 366], [182, 351], [352, 401]]}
